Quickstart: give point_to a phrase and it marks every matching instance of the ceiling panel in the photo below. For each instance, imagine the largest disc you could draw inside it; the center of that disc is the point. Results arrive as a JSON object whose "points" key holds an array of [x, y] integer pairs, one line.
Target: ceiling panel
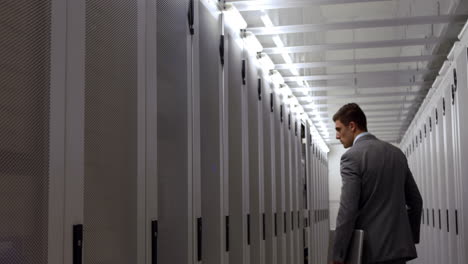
{"points": [[378, 62]]}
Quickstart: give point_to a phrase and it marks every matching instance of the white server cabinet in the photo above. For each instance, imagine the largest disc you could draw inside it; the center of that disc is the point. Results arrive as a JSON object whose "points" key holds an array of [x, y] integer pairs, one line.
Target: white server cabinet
{"points": [[212, 134], [444, 178], [73, 143], [180, 222], [30, 155], [313, 213], [443, 213], [449, 170], [279, 174], [440, 156], [315, 203], [237, 219], [296, 222], [255, 132], [269, 173], [301, 190], [286, 126], [306, 160], [461, 95], [111, 133], [432, 196]]}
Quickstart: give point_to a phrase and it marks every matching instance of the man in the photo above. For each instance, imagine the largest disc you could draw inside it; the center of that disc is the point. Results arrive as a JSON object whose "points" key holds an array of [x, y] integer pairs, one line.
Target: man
{"points": [[379, 195]]}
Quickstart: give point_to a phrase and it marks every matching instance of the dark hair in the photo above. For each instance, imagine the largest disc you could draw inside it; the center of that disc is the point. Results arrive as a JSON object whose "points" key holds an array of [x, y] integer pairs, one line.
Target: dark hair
{"points": [[351, 113]]}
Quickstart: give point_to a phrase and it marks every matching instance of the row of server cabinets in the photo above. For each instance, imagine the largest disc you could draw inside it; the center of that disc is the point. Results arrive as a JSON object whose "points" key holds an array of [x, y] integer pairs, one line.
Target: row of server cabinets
{"points": [[143, 131], [437, 152]]}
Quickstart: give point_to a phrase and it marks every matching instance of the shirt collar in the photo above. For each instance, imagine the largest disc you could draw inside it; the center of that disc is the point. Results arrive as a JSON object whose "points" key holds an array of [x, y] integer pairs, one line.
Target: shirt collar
{"points": [[360, 135]]}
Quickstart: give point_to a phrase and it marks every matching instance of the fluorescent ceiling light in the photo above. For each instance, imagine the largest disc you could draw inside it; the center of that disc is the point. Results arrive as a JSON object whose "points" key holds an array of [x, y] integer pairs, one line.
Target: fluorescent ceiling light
{"points": [[278, 42], [266, 20]]}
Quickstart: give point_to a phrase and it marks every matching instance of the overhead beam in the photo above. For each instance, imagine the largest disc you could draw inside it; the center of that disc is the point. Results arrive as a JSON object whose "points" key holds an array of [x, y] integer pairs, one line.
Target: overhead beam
{"points": [[350, 87], [343, 100], [366, 111], [282, 4], [359, 75], [347, 96], [369, 117], [354, 45], [383, 60], [370, 103], [377, 23], [377, 123]]}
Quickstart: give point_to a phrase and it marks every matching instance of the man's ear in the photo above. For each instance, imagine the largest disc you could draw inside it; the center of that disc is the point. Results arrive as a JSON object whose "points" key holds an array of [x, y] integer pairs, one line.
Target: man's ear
{"points": [[352, 126]]}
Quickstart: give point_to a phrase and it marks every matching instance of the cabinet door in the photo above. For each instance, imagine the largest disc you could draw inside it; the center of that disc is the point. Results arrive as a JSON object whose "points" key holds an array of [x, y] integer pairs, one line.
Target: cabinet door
{"points": [[180, 222], [449, 170], [461, 97], [279, 174], [212, 135], [236, 149], [255, 154], [269, 173], [27, 174], [111, 155]]}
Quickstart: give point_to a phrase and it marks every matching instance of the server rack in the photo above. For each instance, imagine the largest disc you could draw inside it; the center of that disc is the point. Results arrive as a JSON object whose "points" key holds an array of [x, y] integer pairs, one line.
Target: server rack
{"points": [[212, 137], [435, 149], [236, 147], [166, 141], [280, 171], [255, 131], [269, 172]]}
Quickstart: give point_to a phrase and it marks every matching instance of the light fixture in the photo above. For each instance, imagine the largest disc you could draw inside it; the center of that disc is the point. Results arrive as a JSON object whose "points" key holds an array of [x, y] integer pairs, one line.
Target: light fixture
{"points": [[233, 17], [252, 43], [265, 62], [276, 78]]}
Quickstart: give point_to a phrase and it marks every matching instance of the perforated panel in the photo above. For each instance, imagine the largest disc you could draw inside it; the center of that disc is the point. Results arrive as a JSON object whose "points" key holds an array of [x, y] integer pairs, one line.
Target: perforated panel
{"points": [[110, 205], [24, 133]]}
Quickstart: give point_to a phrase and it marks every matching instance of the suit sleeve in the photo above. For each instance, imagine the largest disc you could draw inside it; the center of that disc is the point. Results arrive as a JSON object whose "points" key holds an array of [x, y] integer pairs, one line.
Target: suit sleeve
{"points": [[349, 207], [414, 203]]}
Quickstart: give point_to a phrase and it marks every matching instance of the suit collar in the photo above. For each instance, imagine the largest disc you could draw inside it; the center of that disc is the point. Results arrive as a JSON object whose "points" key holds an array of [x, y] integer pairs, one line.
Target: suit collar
{"points": [[364, 137]]}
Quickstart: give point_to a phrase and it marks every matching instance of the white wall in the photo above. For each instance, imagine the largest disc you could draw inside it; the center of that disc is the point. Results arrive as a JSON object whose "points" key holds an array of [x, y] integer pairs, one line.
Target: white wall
{"points": [[334, 179]]}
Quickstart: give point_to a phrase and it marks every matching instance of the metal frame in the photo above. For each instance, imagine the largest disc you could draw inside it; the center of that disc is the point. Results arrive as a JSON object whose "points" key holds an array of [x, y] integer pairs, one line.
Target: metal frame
{"points": [[212, 178], [275, 4], [147, 127], [370, 103], [357, 95], [367, 111], [349, 25], [381, 85], [56, 242], [74, 123], [355, 45], [382, 60], [359, 75]]}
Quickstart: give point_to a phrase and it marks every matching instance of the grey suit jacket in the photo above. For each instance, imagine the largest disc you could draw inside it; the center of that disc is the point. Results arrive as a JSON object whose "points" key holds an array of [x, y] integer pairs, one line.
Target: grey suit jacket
{"points": [[379, 195]]}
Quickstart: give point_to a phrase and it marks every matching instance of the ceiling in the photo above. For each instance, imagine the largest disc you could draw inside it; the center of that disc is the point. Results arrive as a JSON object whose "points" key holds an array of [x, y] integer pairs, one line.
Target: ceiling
{"points": [[381, 54]]}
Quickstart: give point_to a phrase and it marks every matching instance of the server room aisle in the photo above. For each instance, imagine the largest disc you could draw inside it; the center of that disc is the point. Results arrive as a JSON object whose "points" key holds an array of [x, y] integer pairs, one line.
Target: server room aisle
{"points": [[198, 131]]}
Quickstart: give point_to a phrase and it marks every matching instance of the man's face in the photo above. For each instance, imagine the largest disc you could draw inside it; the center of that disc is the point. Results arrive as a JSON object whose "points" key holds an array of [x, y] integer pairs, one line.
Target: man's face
{"points": [[345, 134]]}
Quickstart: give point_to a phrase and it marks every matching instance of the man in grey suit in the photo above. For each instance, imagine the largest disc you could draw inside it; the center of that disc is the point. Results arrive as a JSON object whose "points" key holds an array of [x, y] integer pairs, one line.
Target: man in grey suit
{"points": [[379, 195]]}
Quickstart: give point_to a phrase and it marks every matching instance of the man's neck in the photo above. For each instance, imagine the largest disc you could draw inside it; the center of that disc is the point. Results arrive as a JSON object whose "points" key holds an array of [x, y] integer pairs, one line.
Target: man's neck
{"points": [[356, 135]]}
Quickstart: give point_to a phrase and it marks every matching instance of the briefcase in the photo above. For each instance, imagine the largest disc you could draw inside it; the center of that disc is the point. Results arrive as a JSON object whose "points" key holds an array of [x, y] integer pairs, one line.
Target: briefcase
{"points": [[355, 248]]}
